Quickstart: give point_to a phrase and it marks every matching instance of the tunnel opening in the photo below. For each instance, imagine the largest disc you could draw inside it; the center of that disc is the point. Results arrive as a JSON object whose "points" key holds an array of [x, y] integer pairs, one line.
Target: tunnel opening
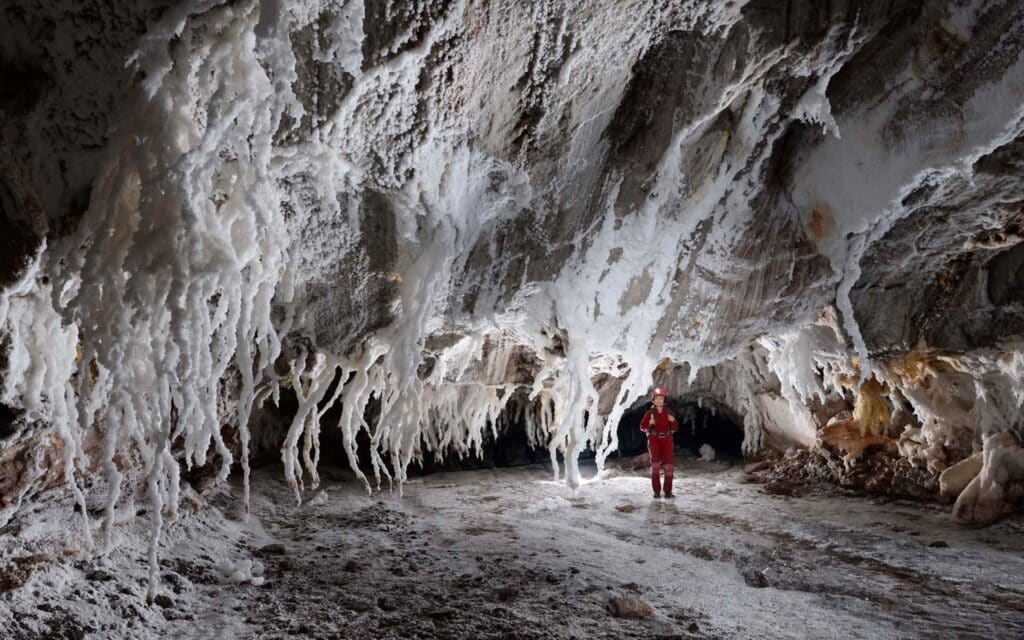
{"points": [[506, 446], [699, 424], [510, 448]]}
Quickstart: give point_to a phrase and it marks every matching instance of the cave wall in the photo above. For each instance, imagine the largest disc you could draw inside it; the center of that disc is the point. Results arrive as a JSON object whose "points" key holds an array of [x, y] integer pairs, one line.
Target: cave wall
{"points": [[451, 204]]}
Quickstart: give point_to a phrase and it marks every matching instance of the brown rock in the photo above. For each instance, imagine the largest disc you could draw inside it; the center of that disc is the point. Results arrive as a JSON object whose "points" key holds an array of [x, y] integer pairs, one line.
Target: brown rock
{"points": [[755, 578], [351, 566], [505, 594], [754, 467], [273, 549], [12, 578], [163, 601], [630, 607]]}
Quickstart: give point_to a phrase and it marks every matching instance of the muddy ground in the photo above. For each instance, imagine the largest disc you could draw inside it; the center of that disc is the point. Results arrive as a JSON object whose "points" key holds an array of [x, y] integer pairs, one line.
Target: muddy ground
{"points": [[509, 553]]}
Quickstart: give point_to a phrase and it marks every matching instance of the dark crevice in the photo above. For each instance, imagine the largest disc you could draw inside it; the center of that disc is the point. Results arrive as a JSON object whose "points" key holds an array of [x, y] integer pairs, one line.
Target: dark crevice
{"points": [[8, 420], [697, 426]]}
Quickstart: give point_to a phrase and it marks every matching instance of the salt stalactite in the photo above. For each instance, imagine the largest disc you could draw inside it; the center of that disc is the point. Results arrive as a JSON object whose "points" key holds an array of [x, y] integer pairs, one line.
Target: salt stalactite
{"points": [[791, 358], [813, 364], [453, 200], [458, 414], [355, 396], [575, 413], [441, 214], [40, 366], [635, 386], [310, 382], [171, 287], [633, 291], [210, 312], [537, 414]]}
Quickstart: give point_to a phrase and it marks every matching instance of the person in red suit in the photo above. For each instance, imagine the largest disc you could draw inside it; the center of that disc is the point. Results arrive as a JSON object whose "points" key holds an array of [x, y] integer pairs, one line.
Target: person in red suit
{"points": [[659, 424]]}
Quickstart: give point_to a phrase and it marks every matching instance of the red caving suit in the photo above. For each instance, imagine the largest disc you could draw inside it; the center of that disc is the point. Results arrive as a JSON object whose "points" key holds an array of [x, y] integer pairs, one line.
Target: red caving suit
{"points": [[659, 427]]}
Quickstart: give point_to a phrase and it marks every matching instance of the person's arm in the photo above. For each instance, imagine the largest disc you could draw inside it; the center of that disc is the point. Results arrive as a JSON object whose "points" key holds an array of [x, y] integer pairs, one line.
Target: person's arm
{"points": [[673, 423], [645, 422]]}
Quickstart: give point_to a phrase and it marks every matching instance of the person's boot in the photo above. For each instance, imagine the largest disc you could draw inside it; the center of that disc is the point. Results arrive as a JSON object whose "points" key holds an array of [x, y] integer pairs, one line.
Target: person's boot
{"points": [[657, 494], [668, 494]]}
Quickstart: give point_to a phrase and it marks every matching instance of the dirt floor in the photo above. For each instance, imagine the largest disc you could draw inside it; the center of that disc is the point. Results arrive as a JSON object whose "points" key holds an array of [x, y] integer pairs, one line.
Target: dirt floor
{"points": [[510, 554]]}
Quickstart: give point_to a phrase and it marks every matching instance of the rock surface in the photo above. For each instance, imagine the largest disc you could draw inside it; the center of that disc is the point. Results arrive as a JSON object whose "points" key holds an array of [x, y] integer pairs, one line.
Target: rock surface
{"points": [[630, 607]]}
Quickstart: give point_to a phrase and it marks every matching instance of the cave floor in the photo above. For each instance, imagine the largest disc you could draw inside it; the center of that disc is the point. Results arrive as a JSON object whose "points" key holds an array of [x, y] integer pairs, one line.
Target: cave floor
{"points": [[508, 553]]}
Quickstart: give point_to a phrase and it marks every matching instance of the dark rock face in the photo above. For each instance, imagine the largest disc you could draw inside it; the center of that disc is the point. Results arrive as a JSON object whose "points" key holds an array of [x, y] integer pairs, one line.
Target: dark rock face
{"points": [[958, 282], [22, 222], [68, 90], [365, 273]]}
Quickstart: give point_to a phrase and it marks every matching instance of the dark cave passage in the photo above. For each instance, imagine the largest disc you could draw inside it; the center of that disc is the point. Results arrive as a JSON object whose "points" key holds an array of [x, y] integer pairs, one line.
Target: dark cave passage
{"points": [[697, 426], [510, 448]]}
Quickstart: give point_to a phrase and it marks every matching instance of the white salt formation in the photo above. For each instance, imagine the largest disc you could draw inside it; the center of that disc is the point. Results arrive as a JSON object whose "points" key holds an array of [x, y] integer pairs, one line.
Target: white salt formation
{"points": [[433, 223]]}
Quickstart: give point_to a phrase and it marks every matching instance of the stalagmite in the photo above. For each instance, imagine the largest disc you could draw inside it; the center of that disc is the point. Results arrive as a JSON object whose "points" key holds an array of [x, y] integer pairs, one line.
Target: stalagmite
{"points": [[984, 498], [955, 479]]}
